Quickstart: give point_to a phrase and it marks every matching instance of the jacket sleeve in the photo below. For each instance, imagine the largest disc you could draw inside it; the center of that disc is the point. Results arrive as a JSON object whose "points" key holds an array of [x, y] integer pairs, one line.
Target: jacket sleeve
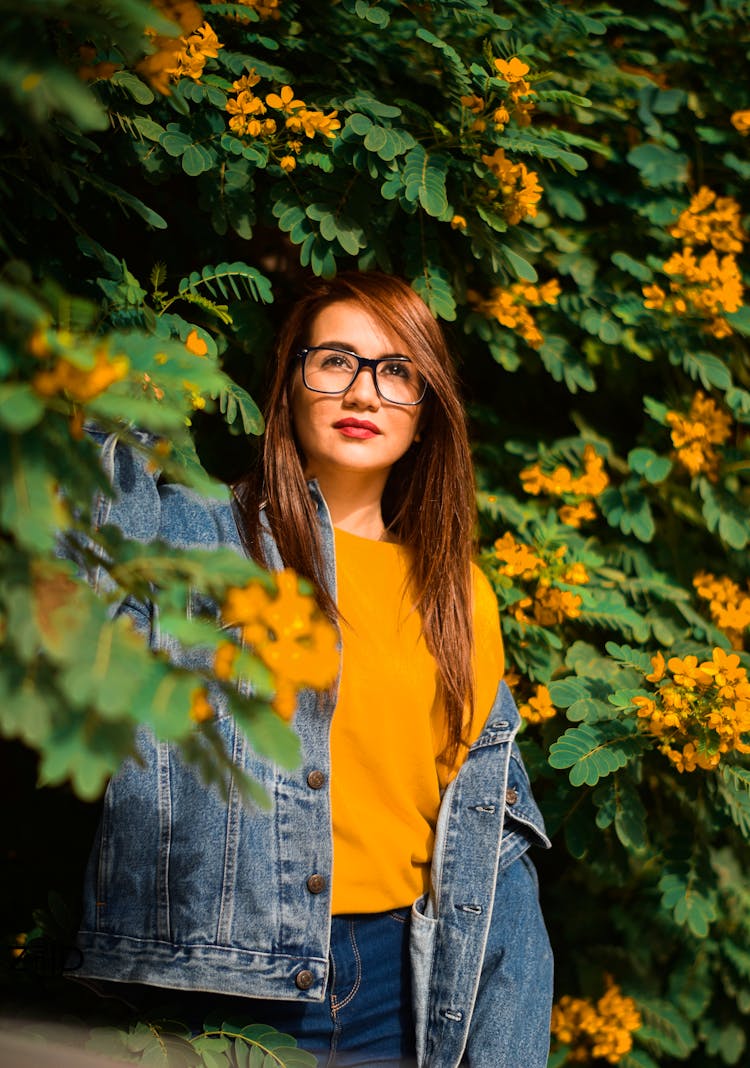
{"points": [[510, 1023]]}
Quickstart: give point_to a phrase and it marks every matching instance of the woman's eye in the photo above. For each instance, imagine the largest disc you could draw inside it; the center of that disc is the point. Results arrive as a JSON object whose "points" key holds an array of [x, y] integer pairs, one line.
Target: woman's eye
{"points": [[397, 369], [335, 361]]}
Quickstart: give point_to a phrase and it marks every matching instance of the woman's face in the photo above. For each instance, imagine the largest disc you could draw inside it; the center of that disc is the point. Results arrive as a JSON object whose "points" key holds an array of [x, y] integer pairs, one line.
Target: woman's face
{"points": [[356, 431]]}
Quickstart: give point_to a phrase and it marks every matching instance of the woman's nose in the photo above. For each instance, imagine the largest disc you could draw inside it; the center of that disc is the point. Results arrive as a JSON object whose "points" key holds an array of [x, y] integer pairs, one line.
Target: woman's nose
{"points": [[363, 389]]}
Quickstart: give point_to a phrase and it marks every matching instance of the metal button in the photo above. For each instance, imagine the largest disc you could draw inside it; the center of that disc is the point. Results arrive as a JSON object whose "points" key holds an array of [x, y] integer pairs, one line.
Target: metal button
{"points": [[316, 883], [304, 979], [316, 779], [511, 795]]}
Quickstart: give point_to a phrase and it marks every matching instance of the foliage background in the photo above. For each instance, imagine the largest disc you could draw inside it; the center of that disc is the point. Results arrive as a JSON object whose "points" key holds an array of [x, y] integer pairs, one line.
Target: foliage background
{"points": [[150, 250]]}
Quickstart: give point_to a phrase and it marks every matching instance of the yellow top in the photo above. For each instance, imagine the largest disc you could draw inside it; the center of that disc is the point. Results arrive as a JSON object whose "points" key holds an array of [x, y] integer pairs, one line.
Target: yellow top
{"points": [[388, 727]]}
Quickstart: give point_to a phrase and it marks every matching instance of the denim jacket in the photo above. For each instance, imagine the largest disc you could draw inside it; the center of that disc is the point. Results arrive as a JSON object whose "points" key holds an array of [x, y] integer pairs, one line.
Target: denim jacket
{"points": [[191, 890]]}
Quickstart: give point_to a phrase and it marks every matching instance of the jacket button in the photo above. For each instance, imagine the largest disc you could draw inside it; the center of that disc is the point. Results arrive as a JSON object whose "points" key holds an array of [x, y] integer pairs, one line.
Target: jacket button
{"points": [[316, 883], [316, 779], [304, 979], [511, 795]]}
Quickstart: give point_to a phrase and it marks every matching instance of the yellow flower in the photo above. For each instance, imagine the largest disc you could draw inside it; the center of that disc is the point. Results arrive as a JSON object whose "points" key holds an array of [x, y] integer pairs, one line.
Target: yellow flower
{"points": [[655, 296], [711, 220], [474, 104], [659, 665], [687, 673], [458, 222], [741, 121], [311, 122], [510, 306], [200, 707], [729, 604], [288, 633], [552, 606], [81, 384], [501, 116], [284, 101], [246, 82], [513, 70], [699, 713], [196, 344], [287, 163], [224, 658], [573, 515], [520, 187], [695, 435], [539, 707], [518, 559], [596, 1031]]}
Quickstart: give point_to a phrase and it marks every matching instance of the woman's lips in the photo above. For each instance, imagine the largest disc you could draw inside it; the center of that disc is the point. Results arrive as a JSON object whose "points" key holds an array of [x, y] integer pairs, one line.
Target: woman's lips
{"points": [[356, 428]]}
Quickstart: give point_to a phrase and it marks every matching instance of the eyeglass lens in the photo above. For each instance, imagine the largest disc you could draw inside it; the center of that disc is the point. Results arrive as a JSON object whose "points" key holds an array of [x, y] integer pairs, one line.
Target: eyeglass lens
{"points": [[334, 371]]}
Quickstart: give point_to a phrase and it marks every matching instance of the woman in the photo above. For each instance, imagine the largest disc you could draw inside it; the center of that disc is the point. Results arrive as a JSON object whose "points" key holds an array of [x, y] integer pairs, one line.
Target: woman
{"points": [[386, 910]]}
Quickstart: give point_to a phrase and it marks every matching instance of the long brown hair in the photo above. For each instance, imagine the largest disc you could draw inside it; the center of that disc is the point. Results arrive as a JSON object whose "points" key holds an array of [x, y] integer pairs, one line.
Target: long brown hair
{"points": [[428, 503]]}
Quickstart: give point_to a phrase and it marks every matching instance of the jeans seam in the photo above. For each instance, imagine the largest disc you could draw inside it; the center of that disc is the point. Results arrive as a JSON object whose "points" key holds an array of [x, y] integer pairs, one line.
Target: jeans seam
{"points": [[357, 957]]}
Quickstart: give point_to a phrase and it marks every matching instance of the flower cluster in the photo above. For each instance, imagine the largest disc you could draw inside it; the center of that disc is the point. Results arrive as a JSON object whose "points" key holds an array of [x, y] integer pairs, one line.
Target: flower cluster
{"points": [[264, 9], [509, 305], [699, 711], [576, 491], [79, 384], [185, 56], [518, 186], [696, 434], [708, 286], [514, 71], [547, 603], [249, 118], [539, 707], [603, 1030], [728, 604], [287, 632], [515, 103], [711, 220]]}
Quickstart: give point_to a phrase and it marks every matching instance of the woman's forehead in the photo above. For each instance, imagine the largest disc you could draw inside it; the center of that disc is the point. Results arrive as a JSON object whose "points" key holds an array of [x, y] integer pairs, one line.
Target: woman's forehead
{"points": [[351, 325]]}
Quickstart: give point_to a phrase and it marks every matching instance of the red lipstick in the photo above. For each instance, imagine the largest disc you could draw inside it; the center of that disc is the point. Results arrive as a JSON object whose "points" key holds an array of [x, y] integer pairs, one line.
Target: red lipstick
{"points": [[356, 428]]}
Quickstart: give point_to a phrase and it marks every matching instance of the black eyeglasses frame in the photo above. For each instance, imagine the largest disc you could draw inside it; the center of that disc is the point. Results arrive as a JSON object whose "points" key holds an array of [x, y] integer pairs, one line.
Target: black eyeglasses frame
{"points": [[362, 362]]}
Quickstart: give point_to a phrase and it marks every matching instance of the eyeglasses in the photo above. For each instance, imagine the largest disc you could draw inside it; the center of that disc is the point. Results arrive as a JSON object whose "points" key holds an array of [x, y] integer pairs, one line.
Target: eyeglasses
{"points": [[331, 370]]}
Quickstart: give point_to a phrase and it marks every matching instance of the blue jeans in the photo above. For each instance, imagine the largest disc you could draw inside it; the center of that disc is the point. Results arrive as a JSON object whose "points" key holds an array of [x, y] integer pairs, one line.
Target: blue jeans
{"points": [[365, 1017]]}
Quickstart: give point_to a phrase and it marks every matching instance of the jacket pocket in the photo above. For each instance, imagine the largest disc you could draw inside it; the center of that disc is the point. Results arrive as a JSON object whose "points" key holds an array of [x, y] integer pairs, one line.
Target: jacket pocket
{"points": [[422, 936]]}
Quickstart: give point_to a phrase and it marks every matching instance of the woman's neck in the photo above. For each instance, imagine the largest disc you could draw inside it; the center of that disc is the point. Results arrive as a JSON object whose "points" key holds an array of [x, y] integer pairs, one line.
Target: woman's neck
{"points": [[354, 504]]}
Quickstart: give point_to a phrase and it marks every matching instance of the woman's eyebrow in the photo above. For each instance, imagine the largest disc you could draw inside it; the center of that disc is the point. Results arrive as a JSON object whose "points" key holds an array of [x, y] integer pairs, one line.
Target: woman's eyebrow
{"points": [[347, 347]]}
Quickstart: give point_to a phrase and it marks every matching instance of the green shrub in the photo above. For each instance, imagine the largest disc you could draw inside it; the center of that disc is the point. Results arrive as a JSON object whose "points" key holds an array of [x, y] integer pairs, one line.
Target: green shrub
{"points": [[563, 184]]}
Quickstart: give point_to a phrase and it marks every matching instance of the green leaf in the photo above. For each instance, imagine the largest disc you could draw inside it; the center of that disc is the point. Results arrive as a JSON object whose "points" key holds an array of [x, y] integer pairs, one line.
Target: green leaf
{"points": [[626, 263], [435, 289], [521, 268], [565, 692], [20, 407], [664, 1028], [659, 166], [30, 506], [689, 896], [710, 369], [653, 467], [595, 751], [724, 514], [619, 803], [424, 180], [627, 507], [234, 403], [239, 277], [138, 90]]}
